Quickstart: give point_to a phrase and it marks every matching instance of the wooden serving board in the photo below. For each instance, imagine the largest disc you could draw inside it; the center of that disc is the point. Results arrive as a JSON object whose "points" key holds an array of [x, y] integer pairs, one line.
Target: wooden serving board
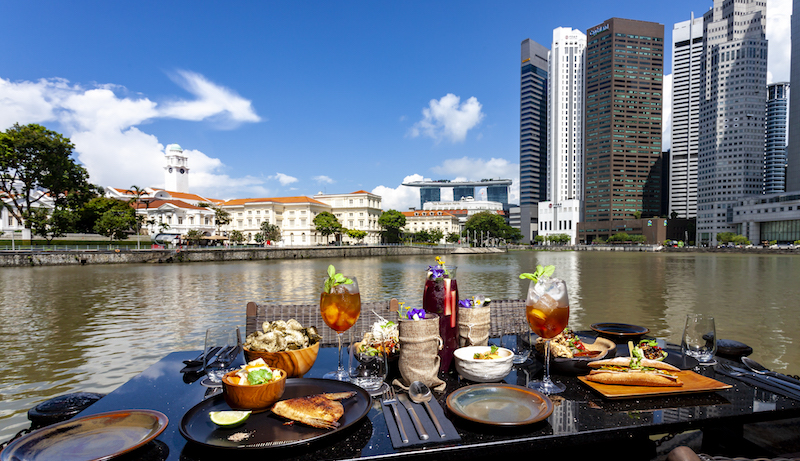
{"points": [[692, 383]]}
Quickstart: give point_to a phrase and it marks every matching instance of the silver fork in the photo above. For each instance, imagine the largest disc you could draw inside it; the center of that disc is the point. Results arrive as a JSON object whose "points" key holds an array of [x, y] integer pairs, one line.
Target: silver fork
{"points": [[786, 386], [389, 398]]}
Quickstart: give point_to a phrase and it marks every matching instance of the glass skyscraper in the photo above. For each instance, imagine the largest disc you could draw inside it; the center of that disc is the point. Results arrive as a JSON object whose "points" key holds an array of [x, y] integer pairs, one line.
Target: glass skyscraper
{"points": [[775, 149], [532, 135]]}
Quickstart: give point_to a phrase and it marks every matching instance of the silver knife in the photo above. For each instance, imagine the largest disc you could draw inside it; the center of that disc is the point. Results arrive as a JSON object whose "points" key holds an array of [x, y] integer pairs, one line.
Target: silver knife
{"points": [[423, 434]]}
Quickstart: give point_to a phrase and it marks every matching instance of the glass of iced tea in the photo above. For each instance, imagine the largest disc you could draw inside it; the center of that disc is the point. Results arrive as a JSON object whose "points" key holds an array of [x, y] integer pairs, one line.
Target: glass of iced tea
{"points": [[547, 310], [340, 309]]}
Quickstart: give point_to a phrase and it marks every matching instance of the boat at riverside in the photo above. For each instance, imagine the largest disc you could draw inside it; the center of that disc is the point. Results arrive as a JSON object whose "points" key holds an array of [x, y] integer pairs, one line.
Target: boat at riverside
{"points": [[92, 328]]}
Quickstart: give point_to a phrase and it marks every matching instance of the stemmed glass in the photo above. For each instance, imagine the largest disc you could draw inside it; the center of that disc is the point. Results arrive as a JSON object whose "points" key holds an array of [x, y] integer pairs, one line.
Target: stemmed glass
{"points": [[340, 309], [547, 310]]}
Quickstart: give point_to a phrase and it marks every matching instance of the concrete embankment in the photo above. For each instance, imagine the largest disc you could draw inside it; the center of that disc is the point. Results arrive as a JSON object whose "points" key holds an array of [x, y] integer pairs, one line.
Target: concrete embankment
{"points": [[62, 258]]}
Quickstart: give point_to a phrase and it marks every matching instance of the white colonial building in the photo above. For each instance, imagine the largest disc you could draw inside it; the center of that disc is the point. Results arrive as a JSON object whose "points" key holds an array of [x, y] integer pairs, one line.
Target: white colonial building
{"points": [[358, 210], [294, 215], [429, 220]]}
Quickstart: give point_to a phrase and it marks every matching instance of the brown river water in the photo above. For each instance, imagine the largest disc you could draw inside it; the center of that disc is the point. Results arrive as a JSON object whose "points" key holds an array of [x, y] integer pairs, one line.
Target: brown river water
{"points": [[91, 328]]}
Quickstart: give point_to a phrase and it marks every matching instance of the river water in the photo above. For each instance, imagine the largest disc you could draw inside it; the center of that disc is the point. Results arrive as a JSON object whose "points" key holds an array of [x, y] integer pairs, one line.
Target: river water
{"points": [[91, 328]]}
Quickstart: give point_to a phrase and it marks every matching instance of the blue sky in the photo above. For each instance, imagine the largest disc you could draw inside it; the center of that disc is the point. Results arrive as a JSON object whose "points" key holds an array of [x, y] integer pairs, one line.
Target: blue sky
{"points": [[276, 99]]}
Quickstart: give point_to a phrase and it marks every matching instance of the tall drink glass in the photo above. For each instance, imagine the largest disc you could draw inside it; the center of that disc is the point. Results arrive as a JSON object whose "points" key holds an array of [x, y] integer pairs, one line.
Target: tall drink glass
{"points": [[440, 297], [547, 310], [340, 309]]}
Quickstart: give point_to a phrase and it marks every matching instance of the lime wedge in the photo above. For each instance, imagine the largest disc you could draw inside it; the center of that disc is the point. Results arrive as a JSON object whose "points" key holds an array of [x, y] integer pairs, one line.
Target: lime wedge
{"points": [[229, 418]]}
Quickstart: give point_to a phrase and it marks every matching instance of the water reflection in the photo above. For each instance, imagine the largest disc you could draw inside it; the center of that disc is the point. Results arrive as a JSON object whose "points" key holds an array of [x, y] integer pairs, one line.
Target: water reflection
{"points": [[92, 328]]}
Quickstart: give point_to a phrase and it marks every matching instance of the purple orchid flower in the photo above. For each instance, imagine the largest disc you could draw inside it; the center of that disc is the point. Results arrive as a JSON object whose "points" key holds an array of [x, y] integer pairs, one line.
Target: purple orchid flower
{"points": [[416, 314], [437, 272], [465, 303]]}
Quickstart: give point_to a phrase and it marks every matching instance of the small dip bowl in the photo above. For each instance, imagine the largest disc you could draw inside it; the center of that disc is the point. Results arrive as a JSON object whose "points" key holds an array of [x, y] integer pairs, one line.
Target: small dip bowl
{"points": [[257, 398], [483, 370]]}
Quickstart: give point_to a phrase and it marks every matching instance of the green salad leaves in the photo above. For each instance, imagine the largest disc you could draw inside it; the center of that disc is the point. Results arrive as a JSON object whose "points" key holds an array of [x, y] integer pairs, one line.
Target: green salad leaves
{"points": [[260, 376]]}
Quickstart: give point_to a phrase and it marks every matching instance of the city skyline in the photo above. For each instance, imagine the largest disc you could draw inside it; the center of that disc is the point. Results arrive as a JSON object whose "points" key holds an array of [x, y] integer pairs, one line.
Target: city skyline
{"points": [[280, 100]]}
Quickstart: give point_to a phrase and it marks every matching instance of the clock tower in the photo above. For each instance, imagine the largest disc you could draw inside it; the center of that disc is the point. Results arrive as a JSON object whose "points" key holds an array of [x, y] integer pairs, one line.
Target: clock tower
{"points": [[176, 173]]}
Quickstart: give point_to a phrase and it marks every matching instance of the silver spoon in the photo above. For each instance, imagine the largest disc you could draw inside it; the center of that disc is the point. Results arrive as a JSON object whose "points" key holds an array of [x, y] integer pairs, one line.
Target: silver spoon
{"points": [[756, 367], [420, 393]]}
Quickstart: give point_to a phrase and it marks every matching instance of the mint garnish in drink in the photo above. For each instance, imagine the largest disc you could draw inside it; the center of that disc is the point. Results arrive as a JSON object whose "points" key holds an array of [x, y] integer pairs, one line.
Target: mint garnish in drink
{"points": [[335, 279], [546, 271]]}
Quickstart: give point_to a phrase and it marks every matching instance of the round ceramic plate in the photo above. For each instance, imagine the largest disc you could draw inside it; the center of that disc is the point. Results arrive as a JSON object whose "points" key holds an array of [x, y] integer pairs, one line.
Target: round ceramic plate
{"points": [[620, 331], [100, 436], [267, 430], [500, 404]]}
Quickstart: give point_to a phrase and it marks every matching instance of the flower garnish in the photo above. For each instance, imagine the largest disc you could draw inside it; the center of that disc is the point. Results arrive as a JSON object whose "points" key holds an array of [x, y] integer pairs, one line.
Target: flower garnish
{"points": [[439, 271], [475, 301], [335, 279], [409, 313], [545, 271]]}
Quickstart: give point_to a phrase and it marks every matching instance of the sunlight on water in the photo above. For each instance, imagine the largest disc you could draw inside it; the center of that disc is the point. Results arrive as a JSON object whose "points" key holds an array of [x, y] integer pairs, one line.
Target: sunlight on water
{"points": [[91, 328]]}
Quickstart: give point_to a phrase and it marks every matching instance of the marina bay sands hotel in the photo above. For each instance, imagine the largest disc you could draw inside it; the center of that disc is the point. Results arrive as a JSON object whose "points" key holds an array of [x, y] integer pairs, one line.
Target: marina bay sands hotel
{"points": [[431, 191]]}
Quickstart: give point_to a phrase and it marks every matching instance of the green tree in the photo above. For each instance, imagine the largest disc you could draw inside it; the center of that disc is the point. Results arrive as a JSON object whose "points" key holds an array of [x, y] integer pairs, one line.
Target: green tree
{"points": [[539, 239], [236, 237], [136, 199], [327, 224], [269, 232], [489, 224], [453, 237], [221, 216], [392, 222], [50, 224], [637, 215], [422, 236], [436, 235], [194, 236], [91, 212], [116, 224], [36, 163], [356, 234]]}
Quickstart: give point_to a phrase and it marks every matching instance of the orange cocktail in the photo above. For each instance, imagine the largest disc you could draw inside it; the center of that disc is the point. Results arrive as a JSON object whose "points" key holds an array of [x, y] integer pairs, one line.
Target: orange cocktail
{"points": [[546, 318], [547, 311], [340, 310]]}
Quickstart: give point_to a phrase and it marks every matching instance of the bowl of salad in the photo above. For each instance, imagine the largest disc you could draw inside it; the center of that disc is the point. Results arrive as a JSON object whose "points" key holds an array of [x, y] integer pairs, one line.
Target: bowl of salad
{"points": [[571, 353], [483, 364], [255, 386]]}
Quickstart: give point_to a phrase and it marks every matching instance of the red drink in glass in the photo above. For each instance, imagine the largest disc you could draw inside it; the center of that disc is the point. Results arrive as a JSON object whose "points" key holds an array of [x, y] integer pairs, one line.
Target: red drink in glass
{"points": [[440, 297]]}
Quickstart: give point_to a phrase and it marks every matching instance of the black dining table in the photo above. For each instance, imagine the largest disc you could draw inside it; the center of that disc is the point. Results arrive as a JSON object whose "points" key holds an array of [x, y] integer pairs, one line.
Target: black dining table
{"points": [[582, 422]]}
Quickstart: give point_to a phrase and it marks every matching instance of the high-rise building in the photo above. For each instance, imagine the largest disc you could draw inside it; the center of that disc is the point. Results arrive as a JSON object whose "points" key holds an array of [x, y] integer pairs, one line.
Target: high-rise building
{"points": [[460, 192], [429, 194], [532, 135], [793, 149], [496, 194], [775, 149], [561, 212], [687, 48], [622, 144], [733, 94]]}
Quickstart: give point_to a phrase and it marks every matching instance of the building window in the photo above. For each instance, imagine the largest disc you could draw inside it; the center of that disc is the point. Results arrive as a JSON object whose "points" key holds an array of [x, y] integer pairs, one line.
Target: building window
{"points": [[180, 220]]}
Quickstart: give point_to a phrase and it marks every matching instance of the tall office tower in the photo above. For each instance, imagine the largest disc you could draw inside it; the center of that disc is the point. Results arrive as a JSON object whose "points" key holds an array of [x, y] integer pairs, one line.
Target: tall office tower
{"points": [[793, 149], [775, 149], [560, 214], [687, 48], [624, 83], [733, 95], [497, 194], [532, 135]]}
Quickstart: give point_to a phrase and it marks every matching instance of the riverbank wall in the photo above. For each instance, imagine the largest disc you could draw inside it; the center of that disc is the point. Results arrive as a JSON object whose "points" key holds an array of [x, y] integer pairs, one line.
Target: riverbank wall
{"points": [[65, 258]]}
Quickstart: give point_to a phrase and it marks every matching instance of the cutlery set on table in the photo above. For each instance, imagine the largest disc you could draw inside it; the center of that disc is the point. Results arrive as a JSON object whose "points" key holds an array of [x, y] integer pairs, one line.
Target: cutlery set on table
{"points": [[418, 424], [755, 374]]}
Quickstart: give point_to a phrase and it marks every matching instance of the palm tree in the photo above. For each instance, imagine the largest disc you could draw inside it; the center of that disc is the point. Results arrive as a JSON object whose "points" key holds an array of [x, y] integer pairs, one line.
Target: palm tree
{"points": [[138, 193]]}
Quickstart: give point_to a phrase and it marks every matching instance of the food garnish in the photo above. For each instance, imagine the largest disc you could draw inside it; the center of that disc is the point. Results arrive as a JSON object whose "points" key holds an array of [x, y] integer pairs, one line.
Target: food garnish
{"points": [[384, 335], [255, 373], [567, 344], [335, 279], [651, 350], [228, 418], [409, 313], [490, 354], [545, 271], [475, 301]]}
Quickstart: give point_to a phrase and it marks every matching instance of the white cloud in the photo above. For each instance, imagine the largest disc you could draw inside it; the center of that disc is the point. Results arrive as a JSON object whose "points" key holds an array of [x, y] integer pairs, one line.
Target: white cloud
{"points": [[666, 116], [284, 179], [322, 179], [212, 101], [401, 198], [779, 15], [103, 123], [448, 118]]}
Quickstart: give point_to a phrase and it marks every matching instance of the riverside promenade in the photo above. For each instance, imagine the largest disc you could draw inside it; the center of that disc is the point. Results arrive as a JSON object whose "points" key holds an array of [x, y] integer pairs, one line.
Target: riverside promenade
{"points": [[27, 258]]}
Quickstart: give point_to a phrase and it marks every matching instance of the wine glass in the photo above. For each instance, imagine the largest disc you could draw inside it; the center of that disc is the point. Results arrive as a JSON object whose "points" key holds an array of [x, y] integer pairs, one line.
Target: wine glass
{"points": [[222, 345], [547, 310], [340, 309]]}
